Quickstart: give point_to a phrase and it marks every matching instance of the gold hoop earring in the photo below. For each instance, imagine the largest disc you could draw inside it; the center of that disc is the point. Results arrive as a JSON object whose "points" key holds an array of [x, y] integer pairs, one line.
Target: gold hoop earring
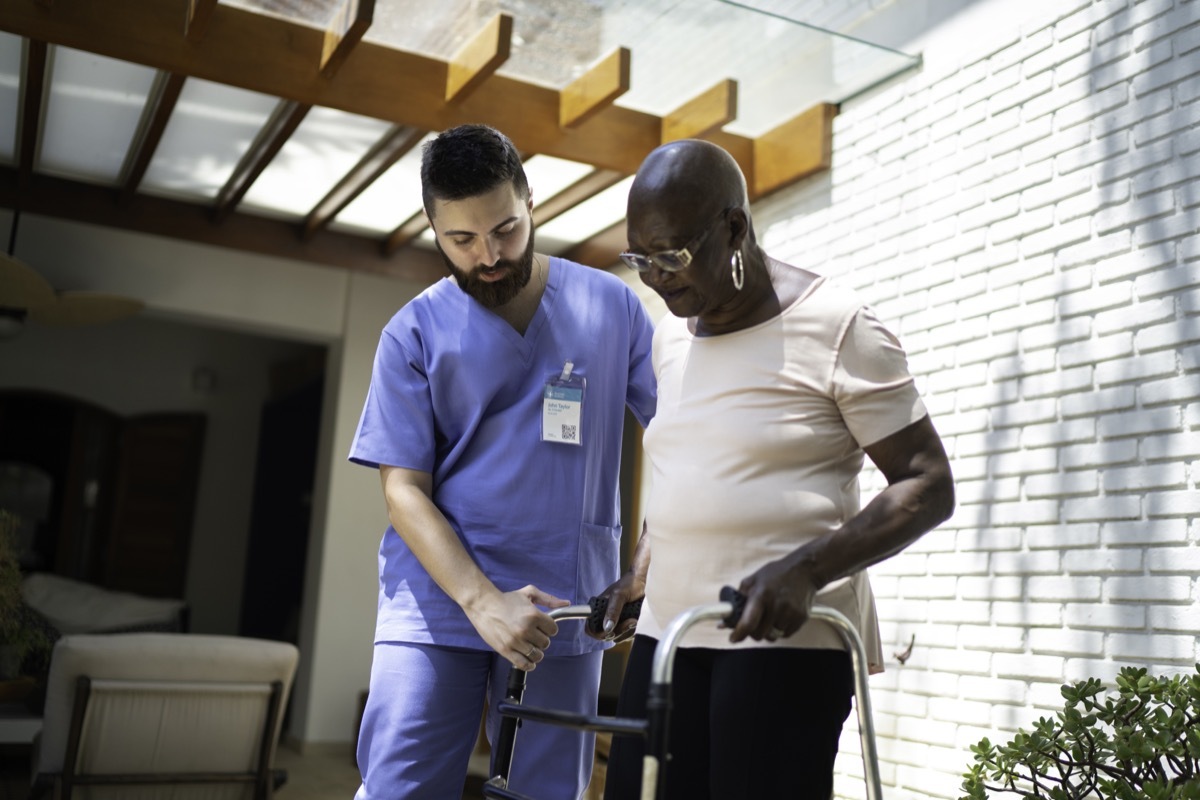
{"points": [[738, 269]]}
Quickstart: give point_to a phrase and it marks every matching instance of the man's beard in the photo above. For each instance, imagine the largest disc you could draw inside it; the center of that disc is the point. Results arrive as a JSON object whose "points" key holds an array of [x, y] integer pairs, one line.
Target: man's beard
{"points": [[495, 293]]}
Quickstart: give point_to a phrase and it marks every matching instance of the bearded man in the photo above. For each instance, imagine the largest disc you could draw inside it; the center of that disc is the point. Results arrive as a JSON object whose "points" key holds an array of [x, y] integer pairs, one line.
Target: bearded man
{"points": [[494, 416]]}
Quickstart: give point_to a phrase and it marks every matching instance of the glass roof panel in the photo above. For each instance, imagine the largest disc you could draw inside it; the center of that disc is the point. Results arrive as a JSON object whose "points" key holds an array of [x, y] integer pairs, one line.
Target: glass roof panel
{"points": [[211, 127], [91, 114], [326, 146], [783, 63], [10, 94], [548, 175], [586, 219], [390, 200]]}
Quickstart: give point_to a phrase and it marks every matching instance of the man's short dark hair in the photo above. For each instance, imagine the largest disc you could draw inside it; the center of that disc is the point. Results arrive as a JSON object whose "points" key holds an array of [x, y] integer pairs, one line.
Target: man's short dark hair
{"points": [[468, 161]]}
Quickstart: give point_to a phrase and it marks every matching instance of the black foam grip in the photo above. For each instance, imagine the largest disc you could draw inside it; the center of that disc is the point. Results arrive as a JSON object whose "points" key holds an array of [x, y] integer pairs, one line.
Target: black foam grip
{"points": [[595, 620], [738, 600]]}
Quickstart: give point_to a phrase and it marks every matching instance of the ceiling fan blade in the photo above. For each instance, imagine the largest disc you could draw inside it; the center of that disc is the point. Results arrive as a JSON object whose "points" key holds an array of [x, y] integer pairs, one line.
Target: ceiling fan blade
{"points": [[86, 308], [21, 286]]}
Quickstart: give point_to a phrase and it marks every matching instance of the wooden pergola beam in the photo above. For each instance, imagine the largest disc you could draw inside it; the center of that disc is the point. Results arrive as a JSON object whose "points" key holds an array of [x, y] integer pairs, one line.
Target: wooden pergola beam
{"points": [[33, 86], [199, 12], [796, 149], [479, 58], [378, 160], [270, 140], [596, 89], [408, 230], [588, 186], [703, 114], [87, 203], [157, 113], [345, 31]]}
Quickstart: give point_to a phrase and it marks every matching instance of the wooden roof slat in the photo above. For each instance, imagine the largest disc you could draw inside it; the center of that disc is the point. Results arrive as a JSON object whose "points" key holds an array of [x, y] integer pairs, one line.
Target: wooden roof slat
{"points": [[270, 140], [703, 114], [386, 152], [408, 230], [33, 86], [602, 249], [588, 186], [276, 56], [84, 202], [199, 12], [596, 89], [344, 33], [159, 106], [479, 58], [799, 147]]}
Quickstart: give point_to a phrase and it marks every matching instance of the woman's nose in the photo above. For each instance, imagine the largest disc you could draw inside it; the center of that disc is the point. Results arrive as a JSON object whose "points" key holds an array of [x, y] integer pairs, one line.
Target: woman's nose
{"points": [[654, 275]]}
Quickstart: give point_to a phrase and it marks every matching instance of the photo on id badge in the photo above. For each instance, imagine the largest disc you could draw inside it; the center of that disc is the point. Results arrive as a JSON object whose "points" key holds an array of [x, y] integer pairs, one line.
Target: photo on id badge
{"points": [[562, 407]]}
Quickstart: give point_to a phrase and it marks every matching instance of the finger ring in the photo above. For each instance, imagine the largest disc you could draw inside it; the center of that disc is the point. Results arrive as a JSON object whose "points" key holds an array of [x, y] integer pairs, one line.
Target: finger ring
{"points": [[529, 655], [775, 633]]}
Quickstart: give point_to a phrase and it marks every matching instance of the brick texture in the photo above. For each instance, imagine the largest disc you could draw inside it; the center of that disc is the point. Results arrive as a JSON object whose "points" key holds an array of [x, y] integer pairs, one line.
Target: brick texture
{"points": [[1025, 219]]}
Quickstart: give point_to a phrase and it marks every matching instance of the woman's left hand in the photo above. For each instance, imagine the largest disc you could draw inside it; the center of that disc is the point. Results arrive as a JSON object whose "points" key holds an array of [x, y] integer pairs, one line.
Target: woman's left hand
{"points": [[778, 599]]}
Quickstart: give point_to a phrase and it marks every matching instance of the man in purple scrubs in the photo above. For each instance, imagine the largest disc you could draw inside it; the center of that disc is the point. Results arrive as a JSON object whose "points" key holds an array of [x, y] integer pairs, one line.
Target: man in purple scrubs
{"points": [[494, 417]]}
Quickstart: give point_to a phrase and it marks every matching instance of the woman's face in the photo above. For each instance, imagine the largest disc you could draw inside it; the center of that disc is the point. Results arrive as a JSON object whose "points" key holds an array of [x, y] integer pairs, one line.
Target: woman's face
{"points": [[706, 283]]}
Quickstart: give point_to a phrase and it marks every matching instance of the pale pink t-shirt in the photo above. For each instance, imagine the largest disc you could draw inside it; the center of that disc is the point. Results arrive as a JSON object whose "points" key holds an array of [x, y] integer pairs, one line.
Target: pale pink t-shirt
{"points": [[756, 448]]}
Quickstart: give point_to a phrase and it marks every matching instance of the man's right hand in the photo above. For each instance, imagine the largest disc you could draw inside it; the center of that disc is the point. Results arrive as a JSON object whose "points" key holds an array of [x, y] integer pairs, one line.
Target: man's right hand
{"points": [[512, 624]]}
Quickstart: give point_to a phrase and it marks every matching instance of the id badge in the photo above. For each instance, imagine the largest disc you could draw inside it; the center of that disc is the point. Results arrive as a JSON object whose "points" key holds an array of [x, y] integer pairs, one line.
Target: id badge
{"points": [[562, 407]]}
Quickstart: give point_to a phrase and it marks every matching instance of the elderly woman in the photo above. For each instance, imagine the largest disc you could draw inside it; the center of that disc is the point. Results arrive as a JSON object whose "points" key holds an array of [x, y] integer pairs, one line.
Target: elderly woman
{"points": [[773, 384]]}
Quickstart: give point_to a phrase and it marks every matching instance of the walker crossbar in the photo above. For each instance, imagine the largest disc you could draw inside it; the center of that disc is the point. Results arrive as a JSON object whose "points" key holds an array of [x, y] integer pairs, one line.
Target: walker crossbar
{"points": [[570, 719]]}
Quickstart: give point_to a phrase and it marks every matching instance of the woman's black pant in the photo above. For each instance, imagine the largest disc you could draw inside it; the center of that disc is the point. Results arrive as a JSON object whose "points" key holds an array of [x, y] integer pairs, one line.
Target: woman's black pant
{"points": [[748, 724]]}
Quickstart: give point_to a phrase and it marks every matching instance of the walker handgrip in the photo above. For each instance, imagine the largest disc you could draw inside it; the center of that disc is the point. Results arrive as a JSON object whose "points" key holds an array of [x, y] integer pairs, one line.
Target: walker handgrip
{"points": [[737, 600], [595, 620]]}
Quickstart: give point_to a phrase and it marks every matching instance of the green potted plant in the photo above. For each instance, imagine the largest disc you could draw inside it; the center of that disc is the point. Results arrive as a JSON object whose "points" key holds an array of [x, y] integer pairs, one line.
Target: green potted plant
{"points": [[1140, 743], [18, 638]]}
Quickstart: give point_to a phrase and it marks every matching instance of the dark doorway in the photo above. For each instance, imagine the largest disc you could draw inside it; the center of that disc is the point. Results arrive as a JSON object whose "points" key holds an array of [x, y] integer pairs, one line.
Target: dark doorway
{"points": [[273, 588]]}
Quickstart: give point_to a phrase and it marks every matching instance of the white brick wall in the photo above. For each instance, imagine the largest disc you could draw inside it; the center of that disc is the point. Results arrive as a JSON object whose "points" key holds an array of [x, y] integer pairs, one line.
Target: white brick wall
{"points": [[1025, 218]]}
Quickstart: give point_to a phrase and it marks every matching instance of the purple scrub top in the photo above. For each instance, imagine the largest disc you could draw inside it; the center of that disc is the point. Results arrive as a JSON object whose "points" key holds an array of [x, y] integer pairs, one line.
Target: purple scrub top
{"points": [[457, 392]]}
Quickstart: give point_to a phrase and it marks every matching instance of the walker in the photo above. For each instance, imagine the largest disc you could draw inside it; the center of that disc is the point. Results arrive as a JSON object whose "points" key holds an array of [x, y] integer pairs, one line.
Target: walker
{"points": [[654, 727]]}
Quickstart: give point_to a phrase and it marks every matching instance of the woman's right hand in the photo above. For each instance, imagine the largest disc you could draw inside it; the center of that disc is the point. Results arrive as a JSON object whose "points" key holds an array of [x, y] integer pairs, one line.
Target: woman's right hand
{"points": [[626, 589]]}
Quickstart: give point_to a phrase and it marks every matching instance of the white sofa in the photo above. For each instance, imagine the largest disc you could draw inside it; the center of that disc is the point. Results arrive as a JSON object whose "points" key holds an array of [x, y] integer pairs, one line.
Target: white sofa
{"points": [[72, 606]]}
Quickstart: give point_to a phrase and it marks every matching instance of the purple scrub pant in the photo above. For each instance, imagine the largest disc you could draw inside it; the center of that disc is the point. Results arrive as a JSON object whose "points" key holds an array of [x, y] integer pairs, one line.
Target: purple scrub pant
{"points": [[422, 720]]}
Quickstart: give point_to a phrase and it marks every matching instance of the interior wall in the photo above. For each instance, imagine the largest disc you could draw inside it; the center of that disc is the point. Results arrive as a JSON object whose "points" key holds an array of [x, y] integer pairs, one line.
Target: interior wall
{"points": [[144, 365], [338, 627], [209, 286]]}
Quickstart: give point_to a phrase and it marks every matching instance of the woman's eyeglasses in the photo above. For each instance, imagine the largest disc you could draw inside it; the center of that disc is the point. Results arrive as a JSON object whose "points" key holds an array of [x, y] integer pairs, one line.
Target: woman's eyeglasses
{"points": [[670, 260]]}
